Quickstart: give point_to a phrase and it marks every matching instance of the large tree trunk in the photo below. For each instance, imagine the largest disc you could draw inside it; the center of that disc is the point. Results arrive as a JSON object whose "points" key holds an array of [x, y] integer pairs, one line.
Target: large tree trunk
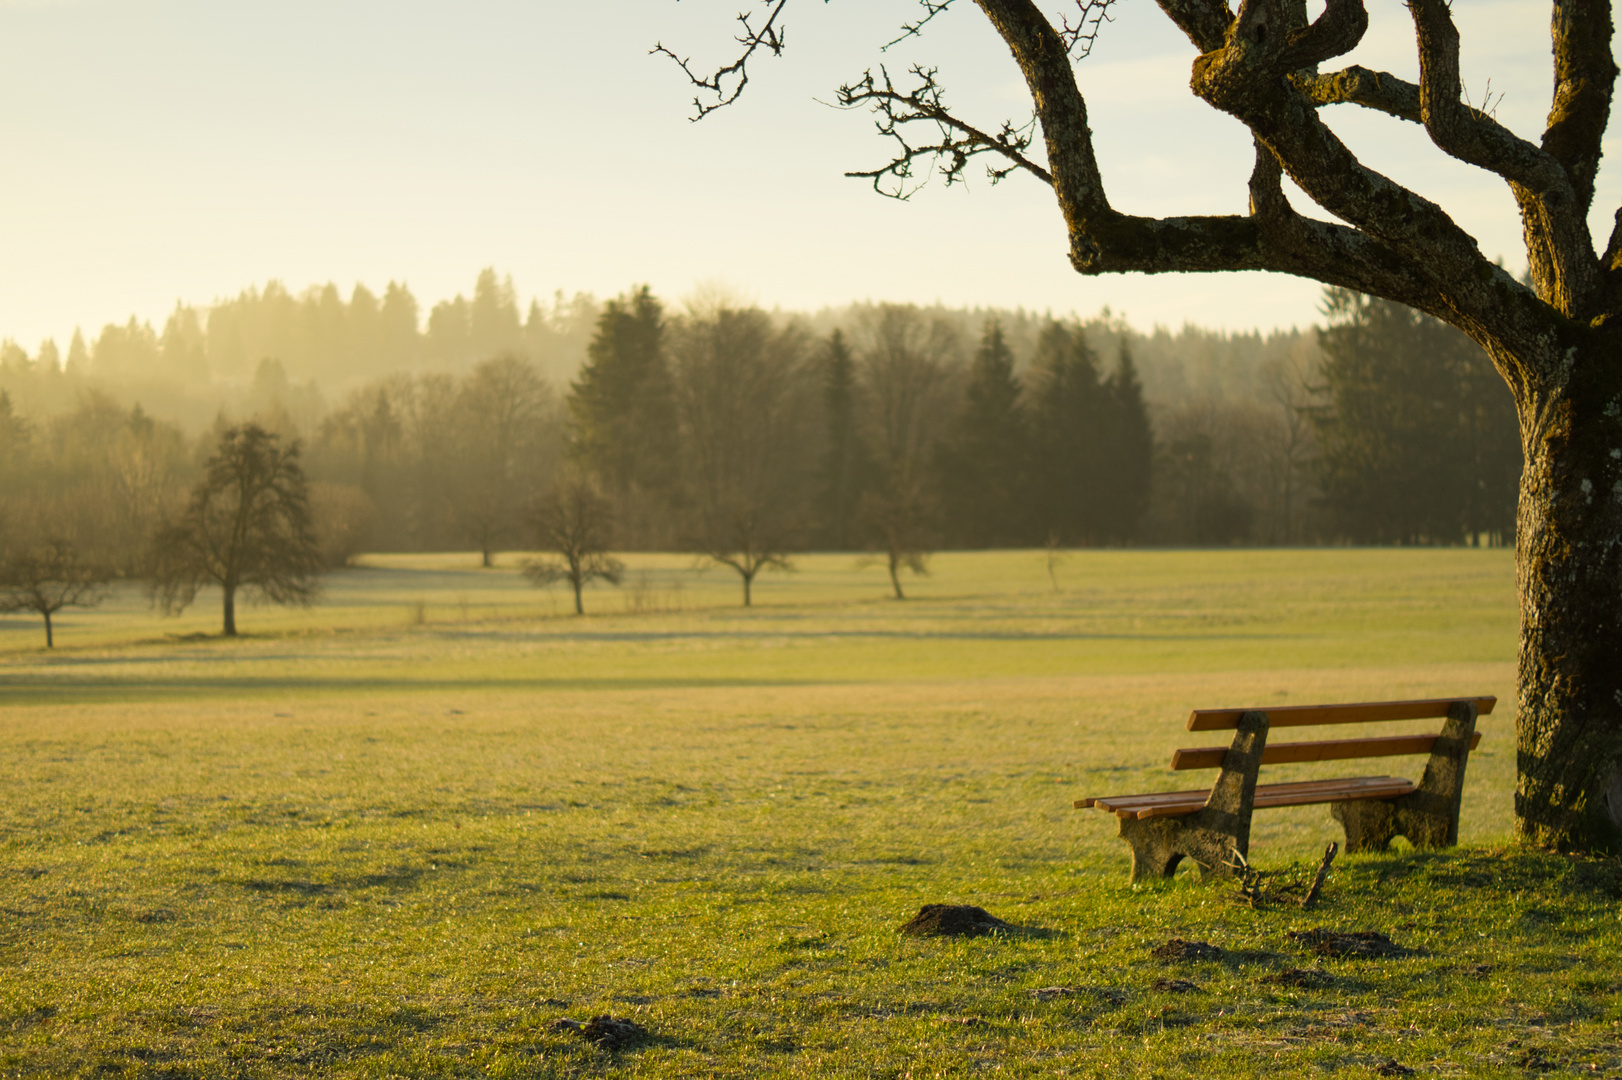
{"points": [[230, 629], [49, 643], [1569, 565]]}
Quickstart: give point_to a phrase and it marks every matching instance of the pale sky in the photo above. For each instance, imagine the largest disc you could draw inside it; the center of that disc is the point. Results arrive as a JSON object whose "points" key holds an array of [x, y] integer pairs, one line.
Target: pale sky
{"points": [[164, 150]]}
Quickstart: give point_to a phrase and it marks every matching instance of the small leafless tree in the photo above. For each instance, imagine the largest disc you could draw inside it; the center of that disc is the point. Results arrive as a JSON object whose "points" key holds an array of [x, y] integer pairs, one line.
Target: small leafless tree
{"points": [[248, 525], [47, 578], [899, 517], [505, 432], [743, 396], [577, 522]]}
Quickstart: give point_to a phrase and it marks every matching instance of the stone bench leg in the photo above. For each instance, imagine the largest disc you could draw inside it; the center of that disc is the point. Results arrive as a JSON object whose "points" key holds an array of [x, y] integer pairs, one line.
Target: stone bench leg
{"points": [[1428, 816], [1209, 836]]}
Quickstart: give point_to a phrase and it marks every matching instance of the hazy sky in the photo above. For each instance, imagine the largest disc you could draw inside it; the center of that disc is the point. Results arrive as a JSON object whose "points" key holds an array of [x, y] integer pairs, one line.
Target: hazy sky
{"points": [[163, 150]]}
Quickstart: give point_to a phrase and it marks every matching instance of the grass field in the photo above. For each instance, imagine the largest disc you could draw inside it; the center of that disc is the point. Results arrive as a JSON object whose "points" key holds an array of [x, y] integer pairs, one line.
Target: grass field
{"points": [[406, 831]]}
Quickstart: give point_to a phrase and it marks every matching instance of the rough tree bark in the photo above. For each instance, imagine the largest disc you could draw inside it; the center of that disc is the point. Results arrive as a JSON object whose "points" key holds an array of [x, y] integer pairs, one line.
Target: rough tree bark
{"points": [[1557, 342]]}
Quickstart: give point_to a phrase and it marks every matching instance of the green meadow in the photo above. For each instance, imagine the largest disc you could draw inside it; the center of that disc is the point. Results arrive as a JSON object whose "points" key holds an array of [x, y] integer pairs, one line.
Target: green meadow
{"points": [[406, 831]]}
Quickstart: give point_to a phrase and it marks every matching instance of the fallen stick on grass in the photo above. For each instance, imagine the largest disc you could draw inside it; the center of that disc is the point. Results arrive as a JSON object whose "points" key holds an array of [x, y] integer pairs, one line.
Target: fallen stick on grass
{"points": [[1323, 874]]}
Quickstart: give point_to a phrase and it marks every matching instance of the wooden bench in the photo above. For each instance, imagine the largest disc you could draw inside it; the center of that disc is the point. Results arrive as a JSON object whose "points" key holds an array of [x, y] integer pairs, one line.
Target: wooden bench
{"points": [[1211, 825]]}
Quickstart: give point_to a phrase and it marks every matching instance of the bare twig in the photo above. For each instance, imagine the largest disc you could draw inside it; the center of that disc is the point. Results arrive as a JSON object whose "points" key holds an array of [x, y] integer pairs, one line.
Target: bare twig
{"points": [[726, 83], [1322, 875], [957, 143], [931, 8], [1080, 37]]}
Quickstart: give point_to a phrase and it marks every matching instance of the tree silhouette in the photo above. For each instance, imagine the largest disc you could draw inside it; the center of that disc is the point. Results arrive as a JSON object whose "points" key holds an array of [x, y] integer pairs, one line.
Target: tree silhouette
{"points": [[985, 461], [742, 393], [577, 523], [47, 578], [1556, 338], [247, 526]]}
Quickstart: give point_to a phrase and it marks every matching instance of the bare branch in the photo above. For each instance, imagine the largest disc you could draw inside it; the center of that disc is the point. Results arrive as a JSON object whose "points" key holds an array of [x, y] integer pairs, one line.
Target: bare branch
{"points": [[957, 142], [1205, 22], [1584, 76], [726, 83], [1079, 38], [1465, 133], [931, 8], [1333, 33], [1559, 245], [1360, 86]]}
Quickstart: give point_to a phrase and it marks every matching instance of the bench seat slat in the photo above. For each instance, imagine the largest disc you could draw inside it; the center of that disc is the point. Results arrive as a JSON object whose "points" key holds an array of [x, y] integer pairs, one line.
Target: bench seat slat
{"points": [[1308, 715], [1210, 757], [1299, 793]]}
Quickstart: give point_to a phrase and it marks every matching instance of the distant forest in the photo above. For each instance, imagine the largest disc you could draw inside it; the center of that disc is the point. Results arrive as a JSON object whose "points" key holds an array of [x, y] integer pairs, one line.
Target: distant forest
{"points": [[870, 426]]}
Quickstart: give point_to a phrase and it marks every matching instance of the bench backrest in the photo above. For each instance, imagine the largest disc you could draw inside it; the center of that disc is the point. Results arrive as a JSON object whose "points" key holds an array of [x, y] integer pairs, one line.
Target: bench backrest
{"points": [[1212, 757], [1310, 715]]}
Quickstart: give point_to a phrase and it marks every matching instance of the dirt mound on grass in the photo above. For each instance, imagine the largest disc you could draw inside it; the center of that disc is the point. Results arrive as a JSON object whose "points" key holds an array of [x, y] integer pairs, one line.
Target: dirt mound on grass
{"points": [[1353, 944], [1179, 949], [609, 1032], [953, 920]]}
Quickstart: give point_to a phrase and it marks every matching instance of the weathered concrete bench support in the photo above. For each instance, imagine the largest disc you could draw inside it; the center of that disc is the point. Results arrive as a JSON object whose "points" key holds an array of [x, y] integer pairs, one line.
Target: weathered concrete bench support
{"points": [[1429, 815], [1209, 836]]}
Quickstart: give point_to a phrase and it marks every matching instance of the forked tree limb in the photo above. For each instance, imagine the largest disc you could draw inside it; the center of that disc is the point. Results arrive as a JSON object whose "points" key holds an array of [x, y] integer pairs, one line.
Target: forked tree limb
{"points": [[1557, 237]]}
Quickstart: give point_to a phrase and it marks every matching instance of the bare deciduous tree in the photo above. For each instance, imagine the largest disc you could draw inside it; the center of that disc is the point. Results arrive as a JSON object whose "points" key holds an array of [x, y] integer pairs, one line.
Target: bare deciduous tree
{"points": [[1555, 339], [247, 526], [48, 577], [908, 376], [577, 523], [503, 442], [743, 397]]}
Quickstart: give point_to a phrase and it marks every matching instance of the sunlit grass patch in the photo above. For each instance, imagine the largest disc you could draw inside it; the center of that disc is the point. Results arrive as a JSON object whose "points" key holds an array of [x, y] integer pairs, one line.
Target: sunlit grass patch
{"points": [[397, 849]]}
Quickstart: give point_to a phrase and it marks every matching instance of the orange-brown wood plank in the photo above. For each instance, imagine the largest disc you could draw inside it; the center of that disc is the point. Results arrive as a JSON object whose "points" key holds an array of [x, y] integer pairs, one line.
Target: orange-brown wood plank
{"points": [[1297, 793], [1302, 793], [1271, 795], [1210, 757], [1306, 715], [1362, 787]]}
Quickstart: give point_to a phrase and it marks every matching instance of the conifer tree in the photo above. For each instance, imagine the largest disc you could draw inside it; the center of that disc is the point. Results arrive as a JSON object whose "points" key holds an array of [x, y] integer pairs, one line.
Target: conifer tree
{"points": [[845, 463], [1417, 435], [1128, 451], [1070, 424], [985, 462], [621, 405]]}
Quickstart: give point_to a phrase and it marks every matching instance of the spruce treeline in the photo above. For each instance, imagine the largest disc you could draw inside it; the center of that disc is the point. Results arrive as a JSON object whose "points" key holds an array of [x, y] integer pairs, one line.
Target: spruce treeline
{"points": [[1417, 434], [1062, 456], [724, 433]]}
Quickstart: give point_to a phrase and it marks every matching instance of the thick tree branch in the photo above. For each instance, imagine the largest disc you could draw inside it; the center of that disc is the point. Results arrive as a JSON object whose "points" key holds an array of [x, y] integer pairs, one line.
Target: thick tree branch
{"points": [[958, 141], [1558, 244], [1584, 77], [1333, 33], [1470, 134], [1205, 22], [1357, 85]]}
